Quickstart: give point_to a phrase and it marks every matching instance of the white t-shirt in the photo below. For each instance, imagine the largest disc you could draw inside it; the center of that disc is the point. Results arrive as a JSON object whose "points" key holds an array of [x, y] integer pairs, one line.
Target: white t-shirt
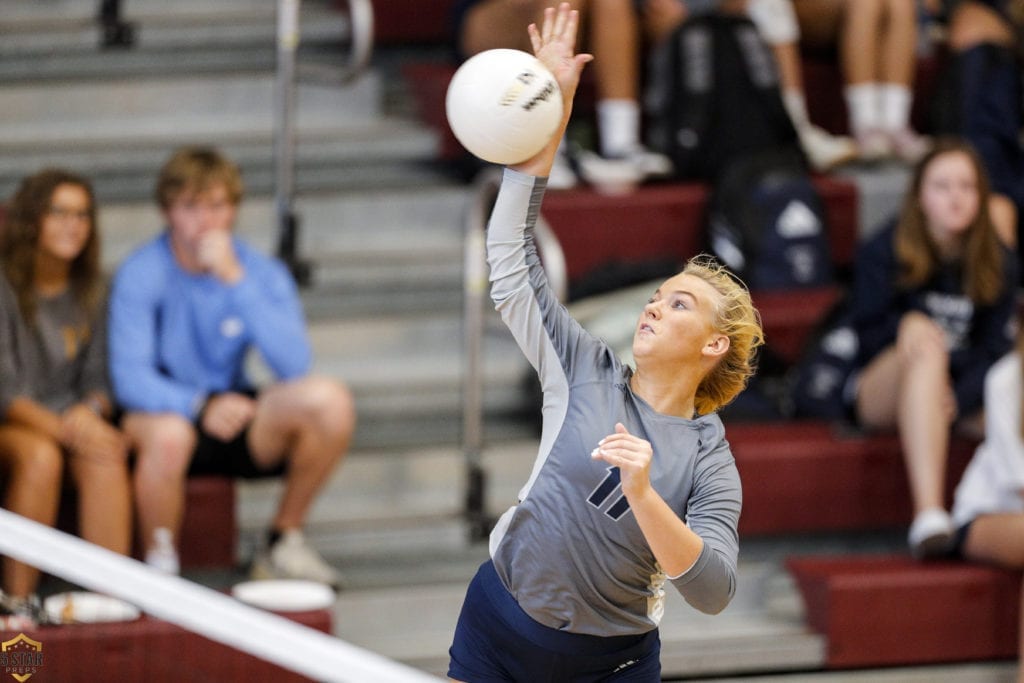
{"points": [[994, 479]]}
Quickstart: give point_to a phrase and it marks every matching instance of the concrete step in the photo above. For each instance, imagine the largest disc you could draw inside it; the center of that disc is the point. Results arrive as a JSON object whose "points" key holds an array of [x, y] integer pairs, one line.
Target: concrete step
{"points": [[383, 244], [371, 155], [58, 112], [407, 378], [61, 37]]}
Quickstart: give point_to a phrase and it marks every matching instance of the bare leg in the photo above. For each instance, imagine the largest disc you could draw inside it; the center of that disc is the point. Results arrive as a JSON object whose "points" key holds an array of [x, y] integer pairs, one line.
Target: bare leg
{"points": [[999, 539], [164, 444], [859, 41], [502, 24], [898, 43], [104, 499], [34, 464], [614, 41], [787, 55], [310, 423], [973, 23], [909, 391]]}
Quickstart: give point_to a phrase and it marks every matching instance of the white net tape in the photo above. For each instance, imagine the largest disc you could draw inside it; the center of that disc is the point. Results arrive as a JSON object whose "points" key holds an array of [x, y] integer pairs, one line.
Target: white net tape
{"points": [[196, 608]]}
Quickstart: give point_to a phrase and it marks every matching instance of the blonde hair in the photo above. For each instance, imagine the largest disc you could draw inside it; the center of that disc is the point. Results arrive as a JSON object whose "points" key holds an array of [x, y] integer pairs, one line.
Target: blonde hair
{"points": [[736, 318], [194, 170]]}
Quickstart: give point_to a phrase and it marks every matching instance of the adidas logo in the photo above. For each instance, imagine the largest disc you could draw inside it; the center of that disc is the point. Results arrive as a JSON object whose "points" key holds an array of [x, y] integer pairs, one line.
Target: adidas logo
{"points": [[797, 220]]}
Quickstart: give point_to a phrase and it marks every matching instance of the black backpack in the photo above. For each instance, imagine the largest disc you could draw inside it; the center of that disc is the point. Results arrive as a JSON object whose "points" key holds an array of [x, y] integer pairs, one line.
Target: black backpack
{"points": [[712, 94], [767, 222]]}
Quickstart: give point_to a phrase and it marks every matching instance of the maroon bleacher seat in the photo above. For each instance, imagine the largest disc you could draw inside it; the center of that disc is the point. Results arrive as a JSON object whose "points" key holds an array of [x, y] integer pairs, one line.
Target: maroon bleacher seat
{"points": [[810, 476], [890, 610], [154, 651], [398, 22], [666, 220], [209, 532], [789, 318]]}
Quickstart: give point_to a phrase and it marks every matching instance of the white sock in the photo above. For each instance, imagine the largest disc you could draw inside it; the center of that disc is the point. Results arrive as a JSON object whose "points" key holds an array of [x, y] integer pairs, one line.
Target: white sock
{"points": [[618, 122], [796, 107], [896, 101], [863, 102]]}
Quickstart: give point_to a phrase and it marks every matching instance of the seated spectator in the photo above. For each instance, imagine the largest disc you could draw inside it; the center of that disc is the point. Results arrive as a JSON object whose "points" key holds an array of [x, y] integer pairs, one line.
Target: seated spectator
{"points": [[931, 309], [988, 507], [54, 394], [617, 30], [777, 24], [488, 24], [185, 310], [877, 41]]}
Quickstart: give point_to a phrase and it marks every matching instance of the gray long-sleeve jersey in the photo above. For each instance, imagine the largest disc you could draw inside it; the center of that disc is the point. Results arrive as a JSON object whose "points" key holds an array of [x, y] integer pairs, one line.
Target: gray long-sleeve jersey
{"points": [[571, 552]]}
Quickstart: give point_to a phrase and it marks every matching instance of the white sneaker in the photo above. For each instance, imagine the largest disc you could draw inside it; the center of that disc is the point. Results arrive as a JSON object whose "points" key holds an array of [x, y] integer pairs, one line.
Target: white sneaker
{"points": [[826, 151], [21, 614], [908, 146], [931, 534], [620, 174], [610, 176], [874, 145], [293, 558], [651, 164], [162, 554]]}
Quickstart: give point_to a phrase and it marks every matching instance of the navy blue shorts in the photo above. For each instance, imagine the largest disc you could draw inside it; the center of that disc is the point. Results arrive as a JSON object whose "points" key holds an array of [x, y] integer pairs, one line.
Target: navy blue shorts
{"points": [[495, 640]]}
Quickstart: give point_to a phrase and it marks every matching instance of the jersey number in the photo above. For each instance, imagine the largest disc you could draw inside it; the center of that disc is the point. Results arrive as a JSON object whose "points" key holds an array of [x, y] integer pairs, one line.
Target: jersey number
{"points": [[603, 493]]}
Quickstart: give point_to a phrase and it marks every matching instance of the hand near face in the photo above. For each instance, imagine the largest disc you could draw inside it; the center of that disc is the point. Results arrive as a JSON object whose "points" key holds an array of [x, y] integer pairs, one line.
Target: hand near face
{"points": [[216, 255], [632, 455]]}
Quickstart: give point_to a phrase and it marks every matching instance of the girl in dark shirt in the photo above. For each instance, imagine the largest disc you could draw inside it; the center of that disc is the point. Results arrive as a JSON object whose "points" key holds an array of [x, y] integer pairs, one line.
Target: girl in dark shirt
{"points": [[54, 398], [932, 310]]}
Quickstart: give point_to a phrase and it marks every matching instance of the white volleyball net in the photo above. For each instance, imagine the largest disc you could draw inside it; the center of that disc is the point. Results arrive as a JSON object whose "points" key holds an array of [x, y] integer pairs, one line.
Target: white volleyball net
{"points": [[204, 611]]}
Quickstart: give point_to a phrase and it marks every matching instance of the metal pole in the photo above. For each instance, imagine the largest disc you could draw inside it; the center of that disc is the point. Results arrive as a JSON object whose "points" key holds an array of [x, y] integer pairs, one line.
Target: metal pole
{"points": [[284, 139], [474, 293], [114, 31]]}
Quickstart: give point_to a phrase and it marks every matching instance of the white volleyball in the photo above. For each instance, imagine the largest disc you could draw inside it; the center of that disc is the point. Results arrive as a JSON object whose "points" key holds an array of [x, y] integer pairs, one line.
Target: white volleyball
{"points": [[503, 105]]}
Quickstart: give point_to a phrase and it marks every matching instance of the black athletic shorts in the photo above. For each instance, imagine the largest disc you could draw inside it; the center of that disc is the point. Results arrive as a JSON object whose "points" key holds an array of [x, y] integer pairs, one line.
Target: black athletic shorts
{"points": [[229, 458]]}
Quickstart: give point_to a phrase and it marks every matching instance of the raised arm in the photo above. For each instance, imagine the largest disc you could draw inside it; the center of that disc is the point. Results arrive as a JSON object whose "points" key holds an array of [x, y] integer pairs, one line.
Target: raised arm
{"points": [[554, 45]]}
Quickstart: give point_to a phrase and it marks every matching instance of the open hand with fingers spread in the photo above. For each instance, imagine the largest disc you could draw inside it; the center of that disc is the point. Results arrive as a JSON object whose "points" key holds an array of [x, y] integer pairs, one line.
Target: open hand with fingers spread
{"points": [[554, 44]]}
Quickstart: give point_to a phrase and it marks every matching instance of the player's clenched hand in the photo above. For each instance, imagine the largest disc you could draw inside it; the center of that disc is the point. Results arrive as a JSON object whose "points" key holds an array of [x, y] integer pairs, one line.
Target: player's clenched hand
{"points": [[632, 455]]}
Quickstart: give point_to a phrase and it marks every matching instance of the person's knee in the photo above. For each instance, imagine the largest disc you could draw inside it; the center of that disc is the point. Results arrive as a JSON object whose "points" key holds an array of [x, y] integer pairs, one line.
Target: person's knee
{"points": [[166, 447], [917, 350], [99, 470], [329, 405], [973, 24], [40, 464]]}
